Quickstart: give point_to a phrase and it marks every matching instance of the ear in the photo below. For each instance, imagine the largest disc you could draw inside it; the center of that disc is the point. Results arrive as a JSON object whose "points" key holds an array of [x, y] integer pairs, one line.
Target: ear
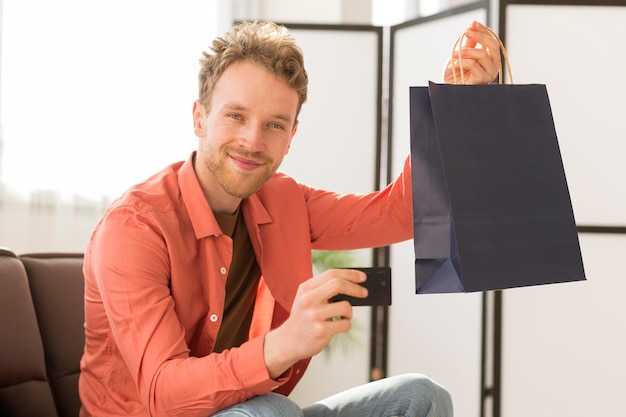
{"points": [[199, 118]]}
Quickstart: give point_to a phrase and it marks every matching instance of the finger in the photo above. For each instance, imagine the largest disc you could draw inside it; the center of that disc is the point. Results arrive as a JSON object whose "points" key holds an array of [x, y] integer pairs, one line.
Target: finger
{"points": [[322, 288], [485, 39], [480, 64], [477, 26], [339, 325], [352, 275], [483, 58], [469, 41], [474, 34], [340, 310], [473, 73], [480, 33], [342, 286]]}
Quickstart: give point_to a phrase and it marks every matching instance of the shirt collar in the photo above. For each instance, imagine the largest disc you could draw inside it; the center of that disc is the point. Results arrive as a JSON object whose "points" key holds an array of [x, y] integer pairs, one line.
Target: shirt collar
{"points": [[200, 212]]}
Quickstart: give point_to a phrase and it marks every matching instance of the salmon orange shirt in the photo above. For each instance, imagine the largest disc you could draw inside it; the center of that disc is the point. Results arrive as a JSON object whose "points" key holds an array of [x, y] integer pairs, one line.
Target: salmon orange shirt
{"points": [[155, 270]]}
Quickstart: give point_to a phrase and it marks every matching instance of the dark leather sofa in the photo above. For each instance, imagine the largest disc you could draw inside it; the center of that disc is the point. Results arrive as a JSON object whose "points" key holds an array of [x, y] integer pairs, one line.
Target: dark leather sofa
{"points": [[41, 334]]}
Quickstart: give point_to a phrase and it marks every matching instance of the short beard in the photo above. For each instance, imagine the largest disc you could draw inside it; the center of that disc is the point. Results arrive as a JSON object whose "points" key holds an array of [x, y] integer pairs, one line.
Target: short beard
{"points": [[236, 183]]}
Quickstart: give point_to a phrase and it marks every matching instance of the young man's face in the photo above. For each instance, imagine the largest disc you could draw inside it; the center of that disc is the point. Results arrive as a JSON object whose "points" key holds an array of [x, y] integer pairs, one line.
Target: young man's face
{"points": [[246, 132]]}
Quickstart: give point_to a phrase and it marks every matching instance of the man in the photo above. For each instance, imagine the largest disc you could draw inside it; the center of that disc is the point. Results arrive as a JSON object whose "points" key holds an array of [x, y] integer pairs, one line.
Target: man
{"points": [[199, 295]]}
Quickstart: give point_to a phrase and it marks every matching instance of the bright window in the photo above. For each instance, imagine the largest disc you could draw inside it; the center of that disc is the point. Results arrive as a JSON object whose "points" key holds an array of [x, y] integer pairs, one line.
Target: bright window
{"points": [[97, 95]]}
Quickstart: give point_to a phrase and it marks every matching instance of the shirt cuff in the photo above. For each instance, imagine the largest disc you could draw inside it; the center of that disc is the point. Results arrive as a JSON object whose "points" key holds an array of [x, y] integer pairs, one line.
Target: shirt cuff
{"points": [[255, 374]]}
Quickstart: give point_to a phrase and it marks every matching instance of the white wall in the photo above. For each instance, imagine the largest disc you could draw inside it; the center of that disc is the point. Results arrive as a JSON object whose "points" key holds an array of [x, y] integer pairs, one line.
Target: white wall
{"points": [[303, 11]]}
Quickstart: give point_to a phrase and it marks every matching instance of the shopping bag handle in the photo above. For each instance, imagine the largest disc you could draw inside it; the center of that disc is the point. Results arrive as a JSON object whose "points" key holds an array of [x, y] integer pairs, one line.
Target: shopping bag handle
{"points": [[459, 43]]}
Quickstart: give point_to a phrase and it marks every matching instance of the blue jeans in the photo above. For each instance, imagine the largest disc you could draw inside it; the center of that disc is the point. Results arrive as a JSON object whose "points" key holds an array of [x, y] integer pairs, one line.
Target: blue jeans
{"points": [[410, 395]]}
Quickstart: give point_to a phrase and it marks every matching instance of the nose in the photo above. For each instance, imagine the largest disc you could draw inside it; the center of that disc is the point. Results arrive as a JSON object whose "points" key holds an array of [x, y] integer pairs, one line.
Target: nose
{"points": [[251, 138]]}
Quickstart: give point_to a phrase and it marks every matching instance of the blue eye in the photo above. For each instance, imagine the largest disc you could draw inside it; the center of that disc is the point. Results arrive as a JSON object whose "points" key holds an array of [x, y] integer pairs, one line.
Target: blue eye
{"points": [[275, 126]]}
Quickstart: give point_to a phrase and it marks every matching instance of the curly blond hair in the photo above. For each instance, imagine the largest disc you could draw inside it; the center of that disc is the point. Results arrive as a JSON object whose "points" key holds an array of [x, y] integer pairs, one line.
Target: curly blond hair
{"points": [[264, 43]]}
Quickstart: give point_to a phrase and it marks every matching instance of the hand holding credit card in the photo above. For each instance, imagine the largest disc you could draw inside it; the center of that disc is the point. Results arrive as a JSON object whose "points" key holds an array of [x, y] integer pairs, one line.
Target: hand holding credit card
{"points": [[378, 285]]}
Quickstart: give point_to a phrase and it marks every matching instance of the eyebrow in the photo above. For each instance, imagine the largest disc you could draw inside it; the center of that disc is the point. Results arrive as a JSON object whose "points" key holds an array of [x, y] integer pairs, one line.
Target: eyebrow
{"points": [[239, 107]]}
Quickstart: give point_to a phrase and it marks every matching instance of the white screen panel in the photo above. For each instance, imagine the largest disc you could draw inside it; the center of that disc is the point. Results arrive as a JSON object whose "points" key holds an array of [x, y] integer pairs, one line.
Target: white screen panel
{"points": [[438, 335], [335, 149], [564, 344], [576, 52], [335, 146]]}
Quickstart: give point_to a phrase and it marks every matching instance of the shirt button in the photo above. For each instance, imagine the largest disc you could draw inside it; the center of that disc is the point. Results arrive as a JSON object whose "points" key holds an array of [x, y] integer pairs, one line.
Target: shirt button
{"points": [[213, 318], [223, 270]]}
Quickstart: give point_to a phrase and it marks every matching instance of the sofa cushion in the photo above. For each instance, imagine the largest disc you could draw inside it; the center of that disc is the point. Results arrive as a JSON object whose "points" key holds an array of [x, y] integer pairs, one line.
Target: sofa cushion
{"points": [[24, 388], [57, 288]]}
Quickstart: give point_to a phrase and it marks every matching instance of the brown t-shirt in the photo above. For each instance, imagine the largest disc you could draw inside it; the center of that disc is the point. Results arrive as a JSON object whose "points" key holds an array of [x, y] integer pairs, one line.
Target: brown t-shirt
{"points": [[241, 284]]}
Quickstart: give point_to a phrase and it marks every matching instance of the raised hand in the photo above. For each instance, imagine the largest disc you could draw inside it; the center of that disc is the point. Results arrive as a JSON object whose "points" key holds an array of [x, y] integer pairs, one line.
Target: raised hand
{"points": [[481, 57]]}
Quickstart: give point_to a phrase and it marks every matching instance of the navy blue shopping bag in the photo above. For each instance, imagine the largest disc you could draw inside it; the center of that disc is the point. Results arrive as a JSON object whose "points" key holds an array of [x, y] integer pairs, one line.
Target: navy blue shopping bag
{"points": [[491, 204]]}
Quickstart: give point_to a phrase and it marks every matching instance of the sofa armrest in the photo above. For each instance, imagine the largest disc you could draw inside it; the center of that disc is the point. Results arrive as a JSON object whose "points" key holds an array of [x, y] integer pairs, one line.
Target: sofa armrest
{"points": [[57, 289], [24, 388]]}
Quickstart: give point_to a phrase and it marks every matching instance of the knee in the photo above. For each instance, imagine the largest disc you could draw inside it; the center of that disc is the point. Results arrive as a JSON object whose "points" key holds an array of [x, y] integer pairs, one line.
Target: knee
{"points": [[432, 398], [278, 405], [270, 404]]}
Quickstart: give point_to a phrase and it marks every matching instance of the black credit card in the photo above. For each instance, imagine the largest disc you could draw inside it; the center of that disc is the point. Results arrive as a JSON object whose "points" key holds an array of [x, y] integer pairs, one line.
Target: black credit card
{"points": [[378, 285]]}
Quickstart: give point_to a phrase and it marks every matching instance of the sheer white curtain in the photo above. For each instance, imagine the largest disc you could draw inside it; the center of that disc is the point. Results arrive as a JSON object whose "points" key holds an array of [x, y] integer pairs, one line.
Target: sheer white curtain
{"points": [[95, 96]]}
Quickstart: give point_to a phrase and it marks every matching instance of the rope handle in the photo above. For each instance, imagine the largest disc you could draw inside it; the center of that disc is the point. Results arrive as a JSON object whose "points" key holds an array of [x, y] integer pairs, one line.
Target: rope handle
{"points": [[459, 43]]}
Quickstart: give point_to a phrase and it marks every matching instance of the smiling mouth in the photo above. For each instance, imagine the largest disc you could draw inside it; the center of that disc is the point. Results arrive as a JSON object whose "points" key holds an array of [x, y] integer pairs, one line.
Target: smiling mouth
{"points": [[245, 163]]}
